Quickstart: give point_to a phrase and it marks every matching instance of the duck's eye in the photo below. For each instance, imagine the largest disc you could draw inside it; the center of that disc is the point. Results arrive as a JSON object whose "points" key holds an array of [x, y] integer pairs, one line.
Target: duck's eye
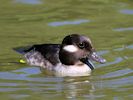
{"points": [[81, 45]]}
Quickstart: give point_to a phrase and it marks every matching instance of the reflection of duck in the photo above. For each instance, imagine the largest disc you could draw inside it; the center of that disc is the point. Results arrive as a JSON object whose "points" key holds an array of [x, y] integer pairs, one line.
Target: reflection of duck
{"points": [[78, 87], [71, 58]]}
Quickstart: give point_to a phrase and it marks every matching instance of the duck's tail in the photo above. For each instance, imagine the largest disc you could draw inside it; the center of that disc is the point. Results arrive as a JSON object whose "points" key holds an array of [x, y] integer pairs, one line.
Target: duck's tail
{"points": [[22, 50]]}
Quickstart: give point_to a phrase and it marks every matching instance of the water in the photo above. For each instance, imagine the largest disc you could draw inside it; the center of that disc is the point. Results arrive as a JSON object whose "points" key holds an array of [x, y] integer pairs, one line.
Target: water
{"points": [[127, 11], [28, 1], [108, 23], [68, 22]]}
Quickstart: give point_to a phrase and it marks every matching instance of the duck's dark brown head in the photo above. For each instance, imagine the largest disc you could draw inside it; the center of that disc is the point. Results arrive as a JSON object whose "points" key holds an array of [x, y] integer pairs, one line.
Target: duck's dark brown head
{"points": [[77, 48]]}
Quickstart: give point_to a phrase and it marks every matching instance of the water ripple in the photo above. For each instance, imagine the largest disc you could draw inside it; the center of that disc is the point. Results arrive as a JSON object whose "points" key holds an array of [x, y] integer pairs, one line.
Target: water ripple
{"points": [[118, 82], [28, 1], [28, 71], [8, 84], [102, 52], [118, 73], [123, 29], [24, 74], [11, 89], [68, 22], [127, 11], [130, 47], [124, 47], [117, 60]]}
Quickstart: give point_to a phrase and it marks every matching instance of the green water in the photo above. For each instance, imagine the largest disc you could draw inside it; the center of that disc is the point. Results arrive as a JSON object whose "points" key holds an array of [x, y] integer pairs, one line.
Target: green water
{"points": [[109, 23]]}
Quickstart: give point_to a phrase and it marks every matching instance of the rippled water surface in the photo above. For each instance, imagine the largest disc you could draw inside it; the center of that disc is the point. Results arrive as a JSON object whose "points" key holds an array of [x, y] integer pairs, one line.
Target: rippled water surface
{"points": [[109, 23]]}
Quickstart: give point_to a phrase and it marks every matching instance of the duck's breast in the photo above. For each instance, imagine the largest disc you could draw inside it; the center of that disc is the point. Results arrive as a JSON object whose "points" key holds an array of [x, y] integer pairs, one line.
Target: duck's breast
{"points": [[72, 70]]}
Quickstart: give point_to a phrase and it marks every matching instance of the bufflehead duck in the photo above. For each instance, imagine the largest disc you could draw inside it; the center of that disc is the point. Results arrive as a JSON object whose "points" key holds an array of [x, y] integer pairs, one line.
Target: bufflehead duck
{"points": [[71, 58]]}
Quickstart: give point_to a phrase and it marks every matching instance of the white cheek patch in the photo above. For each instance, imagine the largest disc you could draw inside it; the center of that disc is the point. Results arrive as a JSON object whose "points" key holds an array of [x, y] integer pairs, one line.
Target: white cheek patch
{"points": [[70, 48]]}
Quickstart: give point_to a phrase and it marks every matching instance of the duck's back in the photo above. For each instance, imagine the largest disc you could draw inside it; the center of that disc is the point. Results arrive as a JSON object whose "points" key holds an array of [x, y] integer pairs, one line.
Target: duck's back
{"points": [[49, 52], [41, 54]]}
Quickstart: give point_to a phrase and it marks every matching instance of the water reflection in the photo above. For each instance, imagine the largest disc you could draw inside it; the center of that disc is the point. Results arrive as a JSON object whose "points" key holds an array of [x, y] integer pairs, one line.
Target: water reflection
{"points": [[28, 1], [118, 73], [75, 22], [102, 52], [127, 11], [124, 47], [123, 29], [117, 60], [74, 88], [10, 89], [69, 87], [119, 49], [24, 73], [115, 83], [16, 96], [28, 71], [129, 46]]}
